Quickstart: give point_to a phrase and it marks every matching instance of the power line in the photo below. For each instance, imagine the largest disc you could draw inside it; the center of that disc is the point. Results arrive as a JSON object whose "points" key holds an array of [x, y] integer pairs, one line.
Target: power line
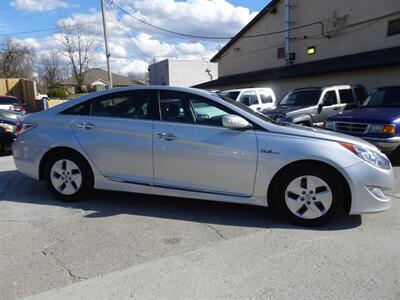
{"points": [[45, 29], [126, 32], [167, 30]]}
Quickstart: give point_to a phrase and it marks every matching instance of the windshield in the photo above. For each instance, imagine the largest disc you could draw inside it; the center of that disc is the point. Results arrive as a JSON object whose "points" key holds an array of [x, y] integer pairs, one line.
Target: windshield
{"points": [[232, 95], [384, 97], [9, 101], [247, 109], [297, 98]]}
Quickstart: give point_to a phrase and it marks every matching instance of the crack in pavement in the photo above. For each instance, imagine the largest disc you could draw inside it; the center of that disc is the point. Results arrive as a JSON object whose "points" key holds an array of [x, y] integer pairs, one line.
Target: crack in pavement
{"points": [[75, 277]]}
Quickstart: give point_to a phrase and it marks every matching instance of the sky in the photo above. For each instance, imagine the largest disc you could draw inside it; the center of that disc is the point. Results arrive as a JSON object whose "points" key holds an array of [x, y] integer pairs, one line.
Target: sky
{"points": [[133, 45]]}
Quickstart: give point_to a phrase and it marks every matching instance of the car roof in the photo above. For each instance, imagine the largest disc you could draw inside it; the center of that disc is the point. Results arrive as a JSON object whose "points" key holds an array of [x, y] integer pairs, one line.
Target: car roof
{"points": [[246, 89], [10, 97]]}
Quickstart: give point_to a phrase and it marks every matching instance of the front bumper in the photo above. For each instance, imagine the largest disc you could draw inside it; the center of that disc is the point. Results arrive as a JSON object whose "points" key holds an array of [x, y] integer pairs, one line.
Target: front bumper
{"points": [[363, 175], [385, 144]]}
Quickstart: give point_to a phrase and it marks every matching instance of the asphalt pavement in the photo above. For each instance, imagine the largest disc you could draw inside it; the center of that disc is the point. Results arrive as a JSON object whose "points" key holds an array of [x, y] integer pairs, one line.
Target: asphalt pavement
{"points": [[121, 246]]}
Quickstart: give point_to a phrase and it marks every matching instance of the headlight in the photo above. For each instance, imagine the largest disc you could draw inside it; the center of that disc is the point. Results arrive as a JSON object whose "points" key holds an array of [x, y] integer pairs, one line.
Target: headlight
{"points": [[387, 129], [329, 125], [373, 157]]}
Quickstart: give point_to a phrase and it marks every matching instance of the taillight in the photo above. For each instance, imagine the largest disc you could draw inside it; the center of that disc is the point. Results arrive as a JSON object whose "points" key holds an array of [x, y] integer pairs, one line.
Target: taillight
{"points": [[19, 108], [23, 127]]}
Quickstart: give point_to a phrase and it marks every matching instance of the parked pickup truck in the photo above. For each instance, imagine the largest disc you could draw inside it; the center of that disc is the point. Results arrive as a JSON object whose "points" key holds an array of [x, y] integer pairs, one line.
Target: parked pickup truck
{"points": [[378, 121], [312, 106]]}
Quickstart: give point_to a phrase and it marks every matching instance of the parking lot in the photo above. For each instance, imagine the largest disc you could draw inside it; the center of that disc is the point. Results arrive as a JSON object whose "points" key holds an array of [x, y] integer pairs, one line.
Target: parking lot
{"points": [[117, 245]]}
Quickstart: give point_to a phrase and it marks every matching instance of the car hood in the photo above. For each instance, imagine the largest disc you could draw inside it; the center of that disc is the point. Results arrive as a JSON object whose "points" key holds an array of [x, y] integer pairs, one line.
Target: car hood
{"points": [[377, 115], [283, 109], [322, 134]]}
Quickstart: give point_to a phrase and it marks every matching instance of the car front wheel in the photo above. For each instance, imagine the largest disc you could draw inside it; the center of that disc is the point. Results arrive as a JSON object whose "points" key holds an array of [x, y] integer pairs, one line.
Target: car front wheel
{"points": [[69, 176], [308, 195]]}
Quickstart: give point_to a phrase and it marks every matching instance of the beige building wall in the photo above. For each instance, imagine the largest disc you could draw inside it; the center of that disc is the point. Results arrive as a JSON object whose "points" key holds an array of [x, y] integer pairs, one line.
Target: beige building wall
{"points": [[370, 78], [340, 19]]}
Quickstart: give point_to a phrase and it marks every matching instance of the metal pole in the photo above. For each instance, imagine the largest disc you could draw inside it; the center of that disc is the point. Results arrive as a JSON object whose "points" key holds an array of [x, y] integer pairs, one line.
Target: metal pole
{"points": [[110, 85], [287, 31]]}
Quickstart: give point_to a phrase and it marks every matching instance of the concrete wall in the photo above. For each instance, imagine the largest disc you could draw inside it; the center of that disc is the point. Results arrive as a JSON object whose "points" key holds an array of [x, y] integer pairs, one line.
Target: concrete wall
{"points": [[338, 16], [183, 73], [370, 78]]}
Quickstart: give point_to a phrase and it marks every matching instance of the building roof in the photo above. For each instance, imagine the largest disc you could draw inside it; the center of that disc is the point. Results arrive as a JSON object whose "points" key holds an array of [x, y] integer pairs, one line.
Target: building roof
{"points": [[95, 74], [376, 58], [264, 11]]}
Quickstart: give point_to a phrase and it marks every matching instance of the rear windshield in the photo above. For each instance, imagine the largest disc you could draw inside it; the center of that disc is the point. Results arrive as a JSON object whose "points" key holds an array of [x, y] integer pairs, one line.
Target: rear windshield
{"points": [[9, 100], [384, 97], [300, 98]]}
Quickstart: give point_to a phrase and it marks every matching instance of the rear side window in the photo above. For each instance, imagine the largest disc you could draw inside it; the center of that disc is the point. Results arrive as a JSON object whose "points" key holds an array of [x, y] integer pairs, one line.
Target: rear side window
{"points": [[361, 95], [346, 96], [266, 97], [129, 105]]}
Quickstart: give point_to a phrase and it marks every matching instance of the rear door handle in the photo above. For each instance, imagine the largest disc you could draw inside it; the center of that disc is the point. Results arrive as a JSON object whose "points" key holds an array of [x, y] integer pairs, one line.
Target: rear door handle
{"points": [[85, 125], [166, 136]]}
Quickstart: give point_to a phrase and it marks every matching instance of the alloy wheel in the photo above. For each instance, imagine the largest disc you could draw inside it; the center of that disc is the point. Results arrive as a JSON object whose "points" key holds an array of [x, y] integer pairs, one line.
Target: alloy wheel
{"points": [[308, 197], [66, 177]]}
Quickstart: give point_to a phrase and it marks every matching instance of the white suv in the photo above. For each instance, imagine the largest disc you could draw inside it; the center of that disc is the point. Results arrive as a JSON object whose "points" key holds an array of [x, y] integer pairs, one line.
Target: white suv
{"points": [[256, 98]]}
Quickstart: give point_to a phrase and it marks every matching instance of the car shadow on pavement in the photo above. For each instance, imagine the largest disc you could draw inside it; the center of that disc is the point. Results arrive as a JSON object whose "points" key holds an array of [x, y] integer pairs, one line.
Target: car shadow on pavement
{"points": [[105, 204]]}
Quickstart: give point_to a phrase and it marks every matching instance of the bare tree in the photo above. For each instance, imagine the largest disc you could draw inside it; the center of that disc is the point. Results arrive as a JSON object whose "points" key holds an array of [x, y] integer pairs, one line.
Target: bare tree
{"points": [[80, 45], [50, 69], [16, 60]]}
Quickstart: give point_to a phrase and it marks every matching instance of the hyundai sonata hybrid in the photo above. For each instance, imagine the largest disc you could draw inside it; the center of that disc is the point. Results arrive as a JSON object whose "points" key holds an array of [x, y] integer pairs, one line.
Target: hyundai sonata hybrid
{"points": [[196, 144]]}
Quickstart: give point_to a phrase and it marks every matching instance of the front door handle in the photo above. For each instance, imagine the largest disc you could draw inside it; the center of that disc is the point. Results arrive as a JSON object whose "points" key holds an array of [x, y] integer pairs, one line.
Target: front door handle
{"points": [[85, 125], [166, 136], [336, 108]]}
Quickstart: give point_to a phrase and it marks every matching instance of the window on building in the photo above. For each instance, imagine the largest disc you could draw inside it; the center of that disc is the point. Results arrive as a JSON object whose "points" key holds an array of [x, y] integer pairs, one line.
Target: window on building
{"points": [[346, 96], [281, 52], [393, 27]]}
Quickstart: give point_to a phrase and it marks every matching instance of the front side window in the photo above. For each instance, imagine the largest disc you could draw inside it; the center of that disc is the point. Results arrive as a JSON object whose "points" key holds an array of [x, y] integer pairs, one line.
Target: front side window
{"points": [[346, 96], [249, 98], [384, 97], [330, 98], [189, 108], [301, 98]]}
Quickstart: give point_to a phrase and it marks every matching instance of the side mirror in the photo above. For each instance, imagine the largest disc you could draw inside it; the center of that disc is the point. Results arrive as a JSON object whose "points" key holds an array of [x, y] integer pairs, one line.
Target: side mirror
{"points": [[235, 122]]}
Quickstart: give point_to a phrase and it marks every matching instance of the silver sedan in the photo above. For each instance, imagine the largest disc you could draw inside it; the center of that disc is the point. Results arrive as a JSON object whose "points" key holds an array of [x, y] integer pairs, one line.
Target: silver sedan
{"points": [[195, 144]]}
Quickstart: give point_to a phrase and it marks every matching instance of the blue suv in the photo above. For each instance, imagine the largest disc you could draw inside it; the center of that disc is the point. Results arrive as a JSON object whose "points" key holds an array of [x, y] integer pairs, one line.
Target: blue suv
{"points": [[377, 121]]}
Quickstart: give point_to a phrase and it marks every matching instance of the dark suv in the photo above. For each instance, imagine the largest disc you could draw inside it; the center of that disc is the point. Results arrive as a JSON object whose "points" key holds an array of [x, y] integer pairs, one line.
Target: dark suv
{"points": [[377, 121], [312, 106]]}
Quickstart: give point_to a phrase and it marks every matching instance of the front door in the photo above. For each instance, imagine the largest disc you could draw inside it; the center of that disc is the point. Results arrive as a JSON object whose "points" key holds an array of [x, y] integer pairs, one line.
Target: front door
{"points": [[330, 106], [193, 151], [117, 135]]}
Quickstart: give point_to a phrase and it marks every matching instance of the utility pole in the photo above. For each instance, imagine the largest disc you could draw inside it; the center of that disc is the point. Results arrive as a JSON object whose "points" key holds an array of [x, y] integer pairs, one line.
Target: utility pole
{"points": [[110, 85]]}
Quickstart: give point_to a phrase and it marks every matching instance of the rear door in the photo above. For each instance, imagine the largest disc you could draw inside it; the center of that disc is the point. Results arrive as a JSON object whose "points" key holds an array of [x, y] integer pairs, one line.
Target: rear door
{"points": [[116, 133], [193, 151], [347, 100]]}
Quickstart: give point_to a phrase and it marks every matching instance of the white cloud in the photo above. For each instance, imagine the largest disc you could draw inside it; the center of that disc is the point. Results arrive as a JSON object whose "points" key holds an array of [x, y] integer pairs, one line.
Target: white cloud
{"points": [[38, 5], [134, 45]]}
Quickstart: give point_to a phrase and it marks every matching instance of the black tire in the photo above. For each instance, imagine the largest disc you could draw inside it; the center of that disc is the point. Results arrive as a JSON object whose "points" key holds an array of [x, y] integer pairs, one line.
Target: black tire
{"points": [[313, 169], [395, 157], [87, 184]]}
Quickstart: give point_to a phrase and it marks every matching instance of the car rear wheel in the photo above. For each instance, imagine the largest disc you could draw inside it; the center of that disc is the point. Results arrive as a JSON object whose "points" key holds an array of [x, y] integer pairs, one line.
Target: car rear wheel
{"points": [[69, 176], [308, 195]]}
